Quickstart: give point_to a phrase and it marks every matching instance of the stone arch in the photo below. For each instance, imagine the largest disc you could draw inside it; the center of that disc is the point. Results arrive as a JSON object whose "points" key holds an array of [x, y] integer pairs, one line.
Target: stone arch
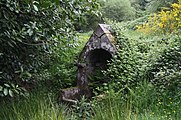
{"points": [[98, 50], [101, 39]]}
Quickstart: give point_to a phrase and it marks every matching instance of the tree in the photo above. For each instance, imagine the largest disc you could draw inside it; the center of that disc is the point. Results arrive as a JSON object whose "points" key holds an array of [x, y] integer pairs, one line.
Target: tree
{"points": [[27, 33], [119, 10]]}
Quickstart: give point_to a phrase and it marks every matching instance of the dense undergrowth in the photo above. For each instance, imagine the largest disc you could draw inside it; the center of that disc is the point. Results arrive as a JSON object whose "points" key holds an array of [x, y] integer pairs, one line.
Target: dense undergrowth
{"points": [[143, 86], [145, 74]]}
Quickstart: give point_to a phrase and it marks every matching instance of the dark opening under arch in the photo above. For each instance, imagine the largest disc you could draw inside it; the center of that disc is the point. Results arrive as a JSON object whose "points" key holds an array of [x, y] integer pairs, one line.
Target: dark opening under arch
{"points": [[97, 59]]}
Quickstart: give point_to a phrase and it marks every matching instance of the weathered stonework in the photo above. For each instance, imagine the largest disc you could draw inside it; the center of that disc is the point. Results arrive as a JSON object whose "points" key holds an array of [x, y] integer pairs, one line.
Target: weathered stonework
{"points": [[98, 50], [100, 39]]}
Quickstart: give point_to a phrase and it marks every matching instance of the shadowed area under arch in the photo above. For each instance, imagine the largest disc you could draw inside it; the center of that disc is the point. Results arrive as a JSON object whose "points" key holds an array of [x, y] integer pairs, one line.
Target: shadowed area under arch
{"points": [[97, 59]]}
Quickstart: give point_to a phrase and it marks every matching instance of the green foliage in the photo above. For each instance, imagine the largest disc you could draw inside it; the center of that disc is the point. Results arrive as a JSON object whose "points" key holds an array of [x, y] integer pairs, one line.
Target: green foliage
{"points": [[118, 10], [37, 106], [165, 72], [60, 71], [38, 43], [11, 90], [156, 5], [29, 31], [111, 107], [97, 81], [155, 60], [151, 58], [165, 22], [90, 22], [83, 109], [124, 69], [144, 7], [140, 103]]}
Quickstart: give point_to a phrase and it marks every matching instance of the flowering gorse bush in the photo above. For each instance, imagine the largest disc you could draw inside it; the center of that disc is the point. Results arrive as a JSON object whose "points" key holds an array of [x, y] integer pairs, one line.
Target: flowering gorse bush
{"points": [[168, 20]]}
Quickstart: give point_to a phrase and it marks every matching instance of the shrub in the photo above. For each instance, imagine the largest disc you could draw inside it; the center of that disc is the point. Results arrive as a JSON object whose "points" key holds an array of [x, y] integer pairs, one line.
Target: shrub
{"points": [[155, 5], [28, 35], [90, 22], [118, 10], [165, 73], [83, 109], [125, 67], [155, 60], [166, 21]]}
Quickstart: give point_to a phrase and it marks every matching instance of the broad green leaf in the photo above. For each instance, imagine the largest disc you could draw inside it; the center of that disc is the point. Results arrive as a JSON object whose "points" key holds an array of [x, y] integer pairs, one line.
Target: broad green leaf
{"points": [[11, 93], [5, 91], [7, 85], [35, 7]]}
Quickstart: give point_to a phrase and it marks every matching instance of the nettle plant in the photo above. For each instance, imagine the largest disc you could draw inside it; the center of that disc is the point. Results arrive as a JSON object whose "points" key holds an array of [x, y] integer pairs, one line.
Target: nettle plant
{"points": [[168, 20], [125, 68], [165, 73]]}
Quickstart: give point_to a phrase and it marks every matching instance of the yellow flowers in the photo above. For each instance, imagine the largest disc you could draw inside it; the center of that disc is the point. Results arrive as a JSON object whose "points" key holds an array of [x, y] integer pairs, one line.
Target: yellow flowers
{"points": [[161, 25], [166, 21], [176, 6]]}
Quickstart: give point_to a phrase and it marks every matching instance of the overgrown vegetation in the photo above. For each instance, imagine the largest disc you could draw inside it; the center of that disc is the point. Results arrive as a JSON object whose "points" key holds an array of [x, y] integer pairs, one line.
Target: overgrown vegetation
{"points": [[39, 46], [32, 33], [166, 21], [118, 10]]}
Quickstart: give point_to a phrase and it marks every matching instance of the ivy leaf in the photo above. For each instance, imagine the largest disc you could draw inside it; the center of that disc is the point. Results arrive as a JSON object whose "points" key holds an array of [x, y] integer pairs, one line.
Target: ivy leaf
{"points": [[35, 7], [5, 91], [7, 85], [11, 93]]}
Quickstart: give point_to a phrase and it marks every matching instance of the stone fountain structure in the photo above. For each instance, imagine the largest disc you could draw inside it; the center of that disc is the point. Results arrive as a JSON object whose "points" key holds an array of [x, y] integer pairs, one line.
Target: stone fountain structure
{"points": [[98, 50]]}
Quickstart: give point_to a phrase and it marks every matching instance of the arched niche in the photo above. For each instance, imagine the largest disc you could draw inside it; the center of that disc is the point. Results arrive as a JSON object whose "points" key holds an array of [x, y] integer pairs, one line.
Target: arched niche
{"points": [[97, 59]]}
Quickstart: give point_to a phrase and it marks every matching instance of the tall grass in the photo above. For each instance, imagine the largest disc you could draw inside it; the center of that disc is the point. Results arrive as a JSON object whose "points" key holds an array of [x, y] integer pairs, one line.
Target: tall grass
{"points": [[141, 103], [34, 107]]}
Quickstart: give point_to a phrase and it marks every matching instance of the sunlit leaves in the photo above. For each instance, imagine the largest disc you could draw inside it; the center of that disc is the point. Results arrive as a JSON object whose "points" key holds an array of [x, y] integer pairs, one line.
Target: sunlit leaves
{"points": [[5, 91], [166, 21], [35, 7]]}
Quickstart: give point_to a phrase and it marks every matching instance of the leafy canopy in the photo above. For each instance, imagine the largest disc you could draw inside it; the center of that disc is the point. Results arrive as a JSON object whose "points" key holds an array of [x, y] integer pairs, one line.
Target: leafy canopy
{"points": [[27, 35]]}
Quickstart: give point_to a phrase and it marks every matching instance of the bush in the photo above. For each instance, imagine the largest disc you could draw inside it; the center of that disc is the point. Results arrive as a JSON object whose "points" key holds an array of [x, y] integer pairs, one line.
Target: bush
{"points": [[118, 10], [154, 59], [165, 73], [90, 22], [155, 5], [29, 32], [125, 67], [166, 21]]}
